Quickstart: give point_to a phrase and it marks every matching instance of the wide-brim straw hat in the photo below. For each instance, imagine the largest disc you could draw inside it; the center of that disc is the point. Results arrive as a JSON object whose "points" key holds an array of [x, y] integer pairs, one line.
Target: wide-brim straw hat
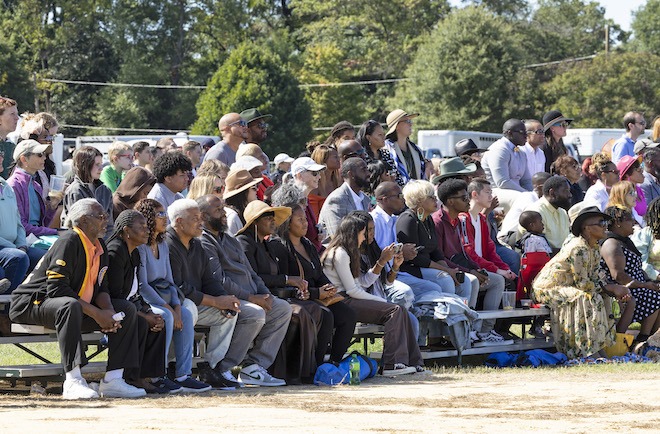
{"points": [[257, 208], [238, 181], [395, 117]]}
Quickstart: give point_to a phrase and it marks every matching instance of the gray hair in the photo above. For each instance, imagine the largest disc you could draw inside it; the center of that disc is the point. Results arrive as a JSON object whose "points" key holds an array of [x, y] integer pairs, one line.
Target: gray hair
{"points": [[79, 209], [287, 194], [179, 208]]}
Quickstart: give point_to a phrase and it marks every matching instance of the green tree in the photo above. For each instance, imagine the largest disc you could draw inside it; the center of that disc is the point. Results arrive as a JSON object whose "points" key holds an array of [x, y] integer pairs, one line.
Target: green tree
{"points": [[253, 76], [562, 29], [464, 73], [373, 39], [507, 8], [598, 93], [646, 26]]}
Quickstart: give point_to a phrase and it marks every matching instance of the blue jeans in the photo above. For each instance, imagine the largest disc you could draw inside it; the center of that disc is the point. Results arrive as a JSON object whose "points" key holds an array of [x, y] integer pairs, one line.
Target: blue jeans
{"points": [[434, 281], [17, 263], [509, 256], [183, 339]]}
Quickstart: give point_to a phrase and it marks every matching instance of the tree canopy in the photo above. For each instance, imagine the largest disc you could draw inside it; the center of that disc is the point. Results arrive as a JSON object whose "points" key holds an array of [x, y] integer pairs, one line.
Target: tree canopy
{"points": [[467, 67]]}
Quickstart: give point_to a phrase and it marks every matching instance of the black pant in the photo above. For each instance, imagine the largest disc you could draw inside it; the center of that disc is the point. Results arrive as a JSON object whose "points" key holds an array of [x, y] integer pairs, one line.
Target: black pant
{"points": [[344, 320], [151, 351], [65, 315]]}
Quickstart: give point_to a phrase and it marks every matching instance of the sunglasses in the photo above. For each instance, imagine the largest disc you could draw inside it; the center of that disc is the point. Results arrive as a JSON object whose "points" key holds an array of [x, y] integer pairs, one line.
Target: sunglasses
{"points": [[357, 153], [262, 125], [314, 172], [601, 223], [218, 189], [240, 123], [561, 124], [537, 132]]}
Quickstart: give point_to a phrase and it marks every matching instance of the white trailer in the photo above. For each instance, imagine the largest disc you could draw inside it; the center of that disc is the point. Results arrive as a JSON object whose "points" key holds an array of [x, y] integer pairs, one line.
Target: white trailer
{"points": [[442, 141], [588, 141]]}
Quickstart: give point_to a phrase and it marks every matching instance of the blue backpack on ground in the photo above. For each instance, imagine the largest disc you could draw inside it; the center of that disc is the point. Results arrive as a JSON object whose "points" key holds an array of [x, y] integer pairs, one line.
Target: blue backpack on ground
{"points": [[330, 375]]}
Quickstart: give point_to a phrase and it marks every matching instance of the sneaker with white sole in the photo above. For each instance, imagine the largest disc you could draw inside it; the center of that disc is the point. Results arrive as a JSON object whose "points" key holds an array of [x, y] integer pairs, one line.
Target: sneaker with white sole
{"points": [[77, 388], [118, 388], [491, 339], [190, 385], [257, 375], [399, 369]]}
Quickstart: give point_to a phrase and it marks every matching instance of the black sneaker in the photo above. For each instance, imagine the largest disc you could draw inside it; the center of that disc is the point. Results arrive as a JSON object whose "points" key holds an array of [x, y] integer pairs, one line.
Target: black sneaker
{"points": [[211, 376], [193, 386], [167, 385]]}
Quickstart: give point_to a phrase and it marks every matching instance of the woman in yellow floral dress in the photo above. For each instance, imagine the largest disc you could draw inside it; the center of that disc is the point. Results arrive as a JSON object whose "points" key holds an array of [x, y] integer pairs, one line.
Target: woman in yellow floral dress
{"points": [[571, 285]]}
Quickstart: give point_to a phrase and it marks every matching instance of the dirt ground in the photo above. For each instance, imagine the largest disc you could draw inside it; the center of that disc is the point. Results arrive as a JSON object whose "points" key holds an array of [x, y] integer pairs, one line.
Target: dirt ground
{"points": [[576, 400]]}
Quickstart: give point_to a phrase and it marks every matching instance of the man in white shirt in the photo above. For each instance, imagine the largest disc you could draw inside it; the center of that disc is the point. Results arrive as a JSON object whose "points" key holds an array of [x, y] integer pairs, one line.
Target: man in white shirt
{"points": [[533, 147]]}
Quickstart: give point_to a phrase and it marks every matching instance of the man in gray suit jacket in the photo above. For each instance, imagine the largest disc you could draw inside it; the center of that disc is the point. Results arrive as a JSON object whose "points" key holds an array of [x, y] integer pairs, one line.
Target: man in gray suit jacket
{"points": [[348, 197]]}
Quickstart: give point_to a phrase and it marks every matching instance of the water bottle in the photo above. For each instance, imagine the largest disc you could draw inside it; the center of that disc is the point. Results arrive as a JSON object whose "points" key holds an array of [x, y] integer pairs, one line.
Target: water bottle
{"points": [[354, 368]]}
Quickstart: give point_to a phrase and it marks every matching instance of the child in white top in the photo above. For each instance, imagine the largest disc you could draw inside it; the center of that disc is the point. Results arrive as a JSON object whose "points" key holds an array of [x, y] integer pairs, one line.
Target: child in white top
{"points": [[534, 240]]}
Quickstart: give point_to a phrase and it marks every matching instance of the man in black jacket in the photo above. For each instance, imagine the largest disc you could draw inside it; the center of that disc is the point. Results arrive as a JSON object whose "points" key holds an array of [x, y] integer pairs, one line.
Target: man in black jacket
{"points": [[68, 292], [198, 281]]}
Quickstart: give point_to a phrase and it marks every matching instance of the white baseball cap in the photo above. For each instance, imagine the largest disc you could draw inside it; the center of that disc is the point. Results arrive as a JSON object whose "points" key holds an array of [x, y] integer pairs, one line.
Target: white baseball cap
{"points": [[246, 162], [302, 164], [282, 158]]}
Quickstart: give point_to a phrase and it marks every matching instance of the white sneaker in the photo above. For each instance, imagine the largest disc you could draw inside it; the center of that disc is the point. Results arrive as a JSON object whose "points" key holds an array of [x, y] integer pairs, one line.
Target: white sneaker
{"points": [[258, 376], [399, 369], [118, 388], [77, 389], [492, 339]]}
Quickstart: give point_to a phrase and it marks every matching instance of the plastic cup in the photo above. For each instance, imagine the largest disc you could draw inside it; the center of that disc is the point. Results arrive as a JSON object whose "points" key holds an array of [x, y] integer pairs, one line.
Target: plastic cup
{"points": [[508, 300], [57, 183]]}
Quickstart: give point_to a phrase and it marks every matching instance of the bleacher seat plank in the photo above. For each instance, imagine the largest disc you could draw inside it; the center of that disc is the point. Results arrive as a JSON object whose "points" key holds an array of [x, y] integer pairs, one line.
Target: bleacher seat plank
{"points": [[47, 370], [31, 329]]}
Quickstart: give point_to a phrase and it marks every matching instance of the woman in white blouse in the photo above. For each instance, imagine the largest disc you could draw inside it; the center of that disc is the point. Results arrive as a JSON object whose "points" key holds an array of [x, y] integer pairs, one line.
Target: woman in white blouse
{"points": [[341, 264]]}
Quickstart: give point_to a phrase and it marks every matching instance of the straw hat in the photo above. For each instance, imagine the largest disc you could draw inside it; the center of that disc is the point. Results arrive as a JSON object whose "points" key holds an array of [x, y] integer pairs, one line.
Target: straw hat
{"points": [[237, 181], [395, 117], [257, 208]]}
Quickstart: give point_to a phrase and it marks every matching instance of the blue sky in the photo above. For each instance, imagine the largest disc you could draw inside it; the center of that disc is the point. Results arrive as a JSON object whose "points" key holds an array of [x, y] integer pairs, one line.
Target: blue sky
{"points": [[618, 10]]}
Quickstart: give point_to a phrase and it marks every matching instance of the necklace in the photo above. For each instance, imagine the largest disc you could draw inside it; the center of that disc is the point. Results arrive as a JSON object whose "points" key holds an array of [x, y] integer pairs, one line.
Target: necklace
{"points": [[428, 233]]}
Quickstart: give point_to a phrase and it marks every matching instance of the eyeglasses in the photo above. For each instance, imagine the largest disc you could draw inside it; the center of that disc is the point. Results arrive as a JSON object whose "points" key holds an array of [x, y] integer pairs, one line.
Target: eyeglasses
{"points": [[612, 171], [518, 131], [124, 156], [464, 198], [632, 194], [398, 196], [561, 124], [239, 122], [642, 123], [102, 216], [262, 125], [392, 173], [161, 214], [537, 132], [601, 223], [218, 189], [430, 196]]}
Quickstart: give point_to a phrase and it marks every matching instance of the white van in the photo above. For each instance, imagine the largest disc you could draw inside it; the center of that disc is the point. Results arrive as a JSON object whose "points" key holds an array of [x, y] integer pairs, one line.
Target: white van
{"points": [[588, 141], [442, 142]]}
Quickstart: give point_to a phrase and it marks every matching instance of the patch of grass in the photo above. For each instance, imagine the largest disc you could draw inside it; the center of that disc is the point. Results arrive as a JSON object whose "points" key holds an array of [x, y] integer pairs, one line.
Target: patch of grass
{"points": [[12, 355]]}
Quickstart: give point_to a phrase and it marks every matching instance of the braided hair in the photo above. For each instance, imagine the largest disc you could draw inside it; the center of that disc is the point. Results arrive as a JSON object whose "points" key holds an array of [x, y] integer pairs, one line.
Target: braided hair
{"points": [[618, 214], [125, 219], [652, 218], [148, 209]]}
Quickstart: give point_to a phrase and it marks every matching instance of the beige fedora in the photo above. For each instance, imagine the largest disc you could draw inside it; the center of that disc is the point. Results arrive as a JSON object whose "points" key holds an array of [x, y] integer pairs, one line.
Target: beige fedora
{"points": [[395, 117], [237, 181]]}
